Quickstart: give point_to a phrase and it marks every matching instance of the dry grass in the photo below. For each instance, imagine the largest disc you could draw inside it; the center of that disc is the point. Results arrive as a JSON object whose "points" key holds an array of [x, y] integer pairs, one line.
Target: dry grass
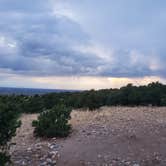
{"points": [[112, 114], [125, 133]]}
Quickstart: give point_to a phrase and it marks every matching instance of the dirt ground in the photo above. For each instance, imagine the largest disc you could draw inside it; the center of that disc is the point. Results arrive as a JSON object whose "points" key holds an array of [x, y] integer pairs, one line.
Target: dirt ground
{"points": [[110, 136]]}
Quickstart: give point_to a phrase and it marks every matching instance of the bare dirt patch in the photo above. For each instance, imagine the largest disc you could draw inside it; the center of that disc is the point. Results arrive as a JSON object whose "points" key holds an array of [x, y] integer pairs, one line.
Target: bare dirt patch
{"points": [[32, 151], [117, 136]]}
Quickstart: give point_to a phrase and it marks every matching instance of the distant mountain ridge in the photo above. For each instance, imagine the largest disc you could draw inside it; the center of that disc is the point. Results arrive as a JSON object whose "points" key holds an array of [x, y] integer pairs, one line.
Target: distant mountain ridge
{"points": [[30, 91]]}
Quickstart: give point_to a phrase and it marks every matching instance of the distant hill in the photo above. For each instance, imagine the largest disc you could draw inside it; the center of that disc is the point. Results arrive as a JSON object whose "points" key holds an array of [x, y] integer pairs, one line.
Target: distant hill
{"points": [[30, 91]]}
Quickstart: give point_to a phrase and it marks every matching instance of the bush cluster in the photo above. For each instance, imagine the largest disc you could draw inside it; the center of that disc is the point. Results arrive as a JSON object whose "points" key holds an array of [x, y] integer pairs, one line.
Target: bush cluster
{"points": [[53, 122], [8, 126], [151, 94]]}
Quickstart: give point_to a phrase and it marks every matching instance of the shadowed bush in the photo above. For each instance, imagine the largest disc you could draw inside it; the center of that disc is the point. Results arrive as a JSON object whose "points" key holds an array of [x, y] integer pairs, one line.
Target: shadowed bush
{"points": [[53, 122], [4, 158], [8, 126]]}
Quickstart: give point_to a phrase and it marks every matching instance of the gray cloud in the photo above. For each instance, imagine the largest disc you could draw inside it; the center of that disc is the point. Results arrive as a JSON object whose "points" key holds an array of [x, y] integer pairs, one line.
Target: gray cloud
{"points": [[35, 41], [41, 44]]}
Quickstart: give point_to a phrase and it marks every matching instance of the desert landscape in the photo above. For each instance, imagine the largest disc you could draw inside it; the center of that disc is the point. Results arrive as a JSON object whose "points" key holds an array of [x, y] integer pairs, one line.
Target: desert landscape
{"points": [[109, 136], [82, 83]]}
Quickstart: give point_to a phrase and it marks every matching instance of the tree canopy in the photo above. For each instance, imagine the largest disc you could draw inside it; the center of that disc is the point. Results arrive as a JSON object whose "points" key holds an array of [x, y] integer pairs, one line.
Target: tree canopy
{"points": [[152, 94]]}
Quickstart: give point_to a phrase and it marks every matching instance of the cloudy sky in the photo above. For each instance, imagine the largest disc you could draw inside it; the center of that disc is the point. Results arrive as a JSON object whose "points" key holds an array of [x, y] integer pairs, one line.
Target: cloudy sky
{"points": [[82, 44]]}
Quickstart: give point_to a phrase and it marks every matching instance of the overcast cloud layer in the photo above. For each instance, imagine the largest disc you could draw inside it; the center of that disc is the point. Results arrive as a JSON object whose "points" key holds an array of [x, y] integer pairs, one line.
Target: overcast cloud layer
{"points": [[112, 38]]}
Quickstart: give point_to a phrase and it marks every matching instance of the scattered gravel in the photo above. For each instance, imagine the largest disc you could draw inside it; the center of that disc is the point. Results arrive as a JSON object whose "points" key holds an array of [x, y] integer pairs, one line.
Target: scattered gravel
{"points": [[111, 136], [33, 151]]}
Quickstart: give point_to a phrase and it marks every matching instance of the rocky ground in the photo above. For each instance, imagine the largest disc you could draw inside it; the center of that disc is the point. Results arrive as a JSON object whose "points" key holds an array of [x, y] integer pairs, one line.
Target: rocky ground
{"points": [[32, 151], [110, 136]]}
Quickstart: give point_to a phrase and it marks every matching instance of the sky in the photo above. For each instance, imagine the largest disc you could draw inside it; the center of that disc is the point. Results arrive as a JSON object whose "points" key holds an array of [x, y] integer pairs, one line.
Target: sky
{"points": [[82, 44]]}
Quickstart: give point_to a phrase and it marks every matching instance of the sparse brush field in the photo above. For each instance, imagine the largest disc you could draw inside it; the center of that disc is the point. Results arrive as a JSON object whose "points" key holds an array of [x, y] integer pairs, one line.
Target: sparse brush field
{"points": [[109, 136]]}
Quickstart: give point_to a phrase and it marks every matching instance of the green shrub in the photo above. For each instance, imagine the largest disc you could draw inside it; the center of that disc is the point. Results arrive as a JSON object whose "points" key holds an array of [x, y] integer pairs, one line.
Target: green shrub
{"points": [[163, 101], [32, 104], [53, 122], [4, 158], [8, 126]]}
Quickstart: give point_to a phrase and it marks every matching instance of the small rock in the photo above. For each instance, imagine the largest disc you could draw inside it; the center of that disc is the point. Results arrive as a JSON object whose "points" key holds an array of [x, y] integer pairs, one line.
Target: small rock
{"points": [[53, 157], [37, 155], [99, 156], [54, 162], [54, 146], [93, 131], [136, 165], [29, 149], [54, 139], [43, 164], [42, 158], [88, 134], [23, 163], [53, 152], [128, 163], [48, 160]]}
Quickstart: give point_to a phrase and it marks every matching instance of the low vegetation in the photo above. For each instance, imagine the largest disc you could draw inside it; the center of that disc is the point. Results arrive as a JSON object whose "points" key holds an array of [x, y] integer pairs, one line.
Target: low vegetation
{"points": [[53, 122], [153, 94], [54, 116], [8, 126]]}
